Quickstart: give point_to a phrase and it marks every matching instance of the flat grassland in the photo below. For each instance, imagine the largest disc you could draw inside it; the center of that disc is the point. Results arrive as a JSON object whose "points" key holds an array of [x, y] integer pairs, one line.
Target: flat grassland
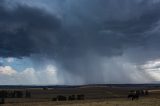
{"points": [[96, 96], [115, 102]]}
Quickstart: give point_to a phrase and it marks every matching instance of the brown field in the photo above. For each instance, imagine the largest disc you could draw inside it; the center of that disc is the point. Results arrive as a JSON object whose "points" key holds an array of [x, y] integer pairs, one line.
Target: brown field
{"points": [[94, 96]]}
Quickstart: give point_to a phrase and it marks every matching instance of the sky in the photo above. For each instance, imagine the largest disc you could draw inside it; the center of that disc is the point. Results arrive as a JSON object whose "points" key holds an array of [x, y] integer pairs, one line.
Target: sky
{"points": [[74, 42]]}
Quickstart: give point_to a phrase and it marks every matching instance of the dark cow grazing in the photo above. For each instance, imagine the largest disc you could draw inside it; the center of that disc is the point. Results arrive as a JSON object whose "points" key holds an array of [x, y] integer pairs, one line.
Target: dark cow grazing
{"points": [[72, 97], [18, 94], [146, 92], [142, 92], [130, 95], [80, 97], [11, 94], [134, 95], [3, 94], [28, 94], [61, 98], [138, 92]]}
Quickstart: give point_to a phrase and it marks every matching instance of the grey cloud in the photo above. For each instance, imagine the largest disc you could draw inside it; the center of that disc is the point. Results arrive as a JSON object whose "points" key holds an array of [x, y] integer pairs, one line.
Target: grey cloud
{"points": [[81, 33], [106, 29], [20, 26]]}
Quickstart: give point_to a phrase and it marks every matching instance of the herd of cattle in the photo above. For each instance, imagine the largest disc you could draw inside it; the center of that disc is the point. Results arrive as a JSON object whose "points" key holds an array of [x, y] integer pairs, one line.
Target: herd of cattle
{"points": [[69, 98], [135, 94], [20, 94], [13, 94]]}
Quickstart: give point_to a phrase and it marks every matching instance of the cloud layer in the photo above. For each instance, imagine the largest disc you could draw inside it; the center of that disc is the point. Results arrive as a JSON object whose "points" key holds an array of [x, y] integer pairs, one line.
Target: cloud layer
{"points": [[104, 30], [9, 76], [84, 37]]}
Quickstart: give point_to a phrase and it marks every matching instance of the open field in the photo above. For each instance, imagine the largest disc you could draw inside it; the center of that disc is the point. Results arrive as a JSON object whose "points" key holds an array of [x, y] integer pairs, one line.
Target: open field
{"points": [[94, 96], [112, 102]]}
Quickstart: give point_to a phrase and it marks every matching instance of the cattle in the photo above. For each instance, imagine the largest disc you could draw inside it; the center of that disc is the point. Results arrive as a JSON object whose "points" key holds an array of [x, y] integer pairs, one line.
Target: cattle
{"points": [[3, 94], [72, 97], [146, 92], [142, 92], [134, 95], [18, 94], [80, 97], [130, 95], [11, 94], [28, 94], [61, 98]]}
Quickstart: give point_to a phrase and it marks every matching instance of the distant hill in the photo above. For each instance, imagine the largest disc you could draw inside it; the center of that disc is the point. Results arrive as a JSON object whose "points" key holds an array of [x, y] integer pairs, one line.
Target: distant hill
{"points": [[76, 86]]}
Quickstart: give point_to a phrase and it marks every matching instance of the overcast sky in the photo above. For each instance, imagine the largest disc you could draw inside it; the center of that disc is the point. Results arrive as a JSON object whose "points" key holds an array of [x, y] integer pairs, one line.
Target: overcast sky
{"points": [[79, 41]]}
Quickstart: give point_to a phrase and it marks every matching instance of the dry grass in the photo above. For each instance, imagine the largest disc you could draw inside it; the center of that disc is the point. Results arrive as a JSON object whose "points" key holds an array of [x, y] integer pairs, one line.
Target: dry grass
{"points": [[152, 100], [110, 102]]}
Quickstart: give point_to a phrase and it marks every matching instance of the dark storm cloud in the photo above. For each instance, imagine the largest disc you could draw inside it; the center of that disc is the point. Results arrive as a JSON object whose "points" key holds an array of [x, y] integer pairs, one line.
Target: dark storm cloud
{"points": [[26, 30], [110, 24], [19, 26], [81, 34]]}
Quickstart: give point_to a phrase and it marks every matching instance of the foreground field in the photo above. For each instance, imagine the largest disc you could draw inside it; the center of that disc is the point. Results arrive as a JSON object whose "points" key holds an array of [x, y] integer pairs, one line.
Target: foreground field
{"points": [[152, 100], [94, 96], [110, 102]]}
